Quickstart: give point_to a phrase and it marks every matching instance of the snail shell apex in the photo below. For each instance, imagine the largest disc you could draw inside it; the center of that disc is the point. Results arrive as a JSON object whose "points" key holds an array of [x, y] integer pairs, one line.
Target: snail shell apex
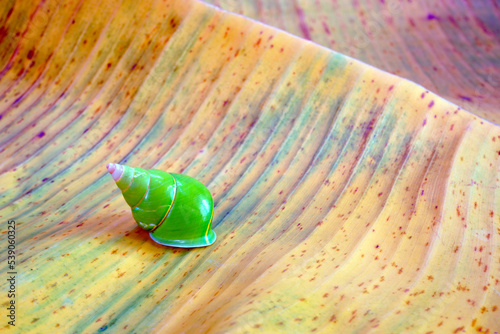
{"points": [[177, 209]]}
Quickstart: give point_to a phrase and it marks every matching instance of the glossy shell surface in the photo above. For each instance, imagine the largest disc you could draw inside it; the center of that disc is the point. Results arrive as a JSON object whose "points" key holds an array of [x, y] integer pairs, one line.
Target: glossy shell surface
{"points": [[191, 214], [177, 209]]}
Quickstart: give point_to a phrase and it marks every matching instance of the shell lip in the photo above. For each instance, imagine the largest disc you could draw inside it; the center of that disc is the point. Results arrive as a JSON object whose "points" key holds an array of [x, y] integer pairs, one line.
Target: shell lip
{"points": [[202, 241]]}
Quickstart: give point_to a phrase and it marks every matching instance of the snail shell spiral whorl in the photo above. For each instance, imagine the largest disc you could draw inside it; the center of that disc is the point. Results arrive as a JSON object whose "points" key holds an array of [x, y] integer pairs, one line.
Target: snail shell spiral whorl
{"points": [[177, 209]]}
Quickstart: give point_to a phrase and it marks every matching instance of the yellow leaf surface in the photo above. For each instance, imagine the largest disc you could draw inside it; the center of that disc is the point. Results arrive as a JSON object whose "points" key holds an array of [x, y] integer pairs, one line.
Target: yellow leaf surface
{"points": [[451, 47], [346, 199]]}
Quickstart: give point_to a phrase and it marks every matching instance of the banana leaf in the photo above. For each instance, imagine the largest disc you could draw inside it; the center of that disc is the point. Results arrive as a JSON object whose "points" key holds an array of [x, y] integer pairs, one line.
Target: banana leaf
{"points": [[347, 199], [449, 47]]}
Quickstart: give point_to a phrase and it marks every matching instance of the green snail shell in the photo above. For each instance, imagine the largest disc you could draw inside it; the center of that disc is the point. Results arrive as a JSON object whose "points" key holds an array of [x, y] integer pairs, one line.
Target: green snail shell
{"points": [[177, 209]]}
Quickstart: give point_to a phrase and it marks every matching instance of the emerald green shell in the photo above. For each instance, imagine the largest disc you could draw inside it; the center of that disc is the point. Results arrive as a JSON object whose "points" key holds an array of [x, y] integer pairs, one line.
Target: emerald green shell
{"points": [[175, 208]]}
